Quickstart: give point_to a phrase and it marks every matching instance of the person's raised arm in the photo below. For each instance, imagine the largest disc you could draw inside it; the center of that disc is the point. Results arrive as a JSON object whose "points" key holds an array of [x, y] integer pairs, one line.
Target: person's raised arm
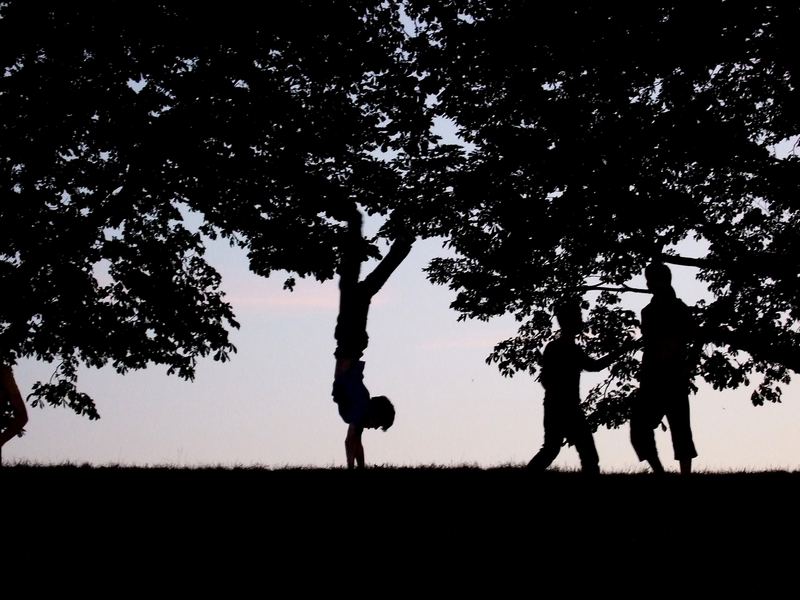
{"points": [[598, 364], [397, 253]]}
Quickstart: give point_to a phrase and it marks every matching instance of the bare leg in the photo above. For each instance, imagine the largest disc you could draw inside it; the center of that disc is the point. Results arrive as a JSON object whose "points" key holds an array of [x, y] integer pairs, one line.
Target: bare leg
{"points": [[686, 466]]}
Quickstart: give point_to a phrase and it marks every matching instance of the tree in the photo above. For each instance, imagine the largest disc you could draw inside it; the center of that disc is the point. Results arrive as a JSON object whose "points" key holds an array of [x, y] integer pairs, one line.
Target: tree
{"points": [[604, 137], [94, 270], [270, 123], [273, 123]]}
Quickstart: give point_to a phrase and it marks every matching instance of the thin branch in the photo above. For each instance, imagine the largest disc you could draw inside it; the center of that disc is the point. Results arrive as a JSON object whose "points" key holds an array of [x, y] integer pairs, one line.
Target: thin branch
{"points": [[764, 264], [621, 289], [760, 345], [688, 261]]}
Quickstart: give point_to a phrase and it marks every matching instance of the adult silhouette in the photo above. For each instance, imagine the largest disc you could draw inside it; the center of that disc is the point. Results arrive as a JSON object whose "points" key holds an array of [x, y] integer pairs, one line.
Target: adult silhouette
{"points": [[664, 376]]}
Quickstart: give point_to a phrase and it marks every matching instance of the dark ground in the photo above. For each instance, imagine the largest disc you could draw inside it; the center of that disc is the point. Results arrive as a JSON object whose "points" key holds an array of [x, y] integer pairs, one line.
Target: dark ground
{"points": [[408, 522]]}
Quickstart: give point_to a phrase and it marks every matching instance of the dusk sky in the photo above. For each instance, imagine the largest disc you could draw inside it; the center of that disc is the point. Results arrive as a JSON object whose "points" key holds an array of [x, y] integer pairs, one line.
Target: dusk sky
{"points": [[271, 405]]}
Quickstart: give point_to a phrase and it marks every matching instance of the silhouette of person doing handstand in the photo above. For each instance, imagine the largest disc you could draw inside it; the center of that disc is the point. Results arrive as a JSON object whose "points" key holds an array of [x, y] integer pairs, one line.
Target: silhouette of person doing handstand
{"points": [[356, 407]]}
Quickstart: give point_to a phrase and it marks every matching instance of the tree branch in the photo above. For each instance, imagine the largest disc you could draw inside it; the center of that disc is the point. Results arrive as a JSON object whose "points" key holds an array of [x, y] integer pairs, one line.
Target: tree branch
{"points": [[759, 345], [688, 261], [621, 289], [766, 264]]}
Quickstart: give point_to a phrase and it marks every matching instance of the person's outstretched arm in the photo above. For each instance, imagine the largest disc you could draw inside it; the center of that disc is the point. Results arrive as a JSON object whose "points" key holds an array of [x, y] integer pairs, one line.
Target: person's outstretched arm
{"points": [[598, 364], [397, 253], [9, 390], [354, 448]]}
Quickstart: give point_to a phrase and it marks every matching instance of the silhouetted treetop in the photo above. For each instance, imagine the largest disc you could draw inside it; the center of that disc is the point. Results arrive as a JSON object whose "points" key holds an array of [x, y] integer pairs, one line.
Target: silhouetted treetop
{"points": [[132, 131], [599, 138], [606, 136]]}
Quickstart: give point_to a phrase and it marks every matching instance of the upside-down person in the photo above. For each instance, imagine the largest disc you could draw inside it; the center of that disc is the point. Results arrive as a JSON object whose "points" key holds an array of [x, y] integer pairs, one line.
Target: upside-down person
{"points": [[356, 407]]}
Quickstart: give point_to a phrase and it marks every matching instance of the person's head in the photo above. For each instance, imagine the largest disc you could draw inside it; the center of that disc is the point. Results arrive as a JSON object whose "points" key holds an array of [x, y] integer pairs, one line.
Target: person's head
{"points": [[658, 276], [380, 413], [570, 319]]}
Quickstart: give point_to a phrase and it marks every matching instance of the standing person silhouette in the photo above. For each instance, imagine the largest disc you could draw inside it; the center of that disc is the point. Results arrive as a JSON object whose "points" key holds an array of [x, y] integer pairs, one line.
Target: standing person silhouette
{"points": [[356, 407], [664, 376], [11, 398], [562, 363]]}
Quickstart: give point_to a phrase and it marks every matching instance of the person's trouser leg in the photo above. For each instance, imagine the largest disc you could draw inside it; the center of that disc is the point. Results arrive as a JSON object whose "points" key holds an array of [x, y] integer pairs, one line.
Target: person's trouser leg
{"points": [[580, 436], [681, 431], [553, 439], [643, 437], [645, 417]]}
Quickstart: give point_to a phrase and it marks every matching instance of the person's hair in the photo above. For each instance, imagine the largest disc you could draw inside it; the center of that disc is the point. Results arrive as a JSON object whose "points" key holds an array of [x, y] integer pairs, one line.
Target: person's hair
{"points": [[658, 272], [382, 410]]}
